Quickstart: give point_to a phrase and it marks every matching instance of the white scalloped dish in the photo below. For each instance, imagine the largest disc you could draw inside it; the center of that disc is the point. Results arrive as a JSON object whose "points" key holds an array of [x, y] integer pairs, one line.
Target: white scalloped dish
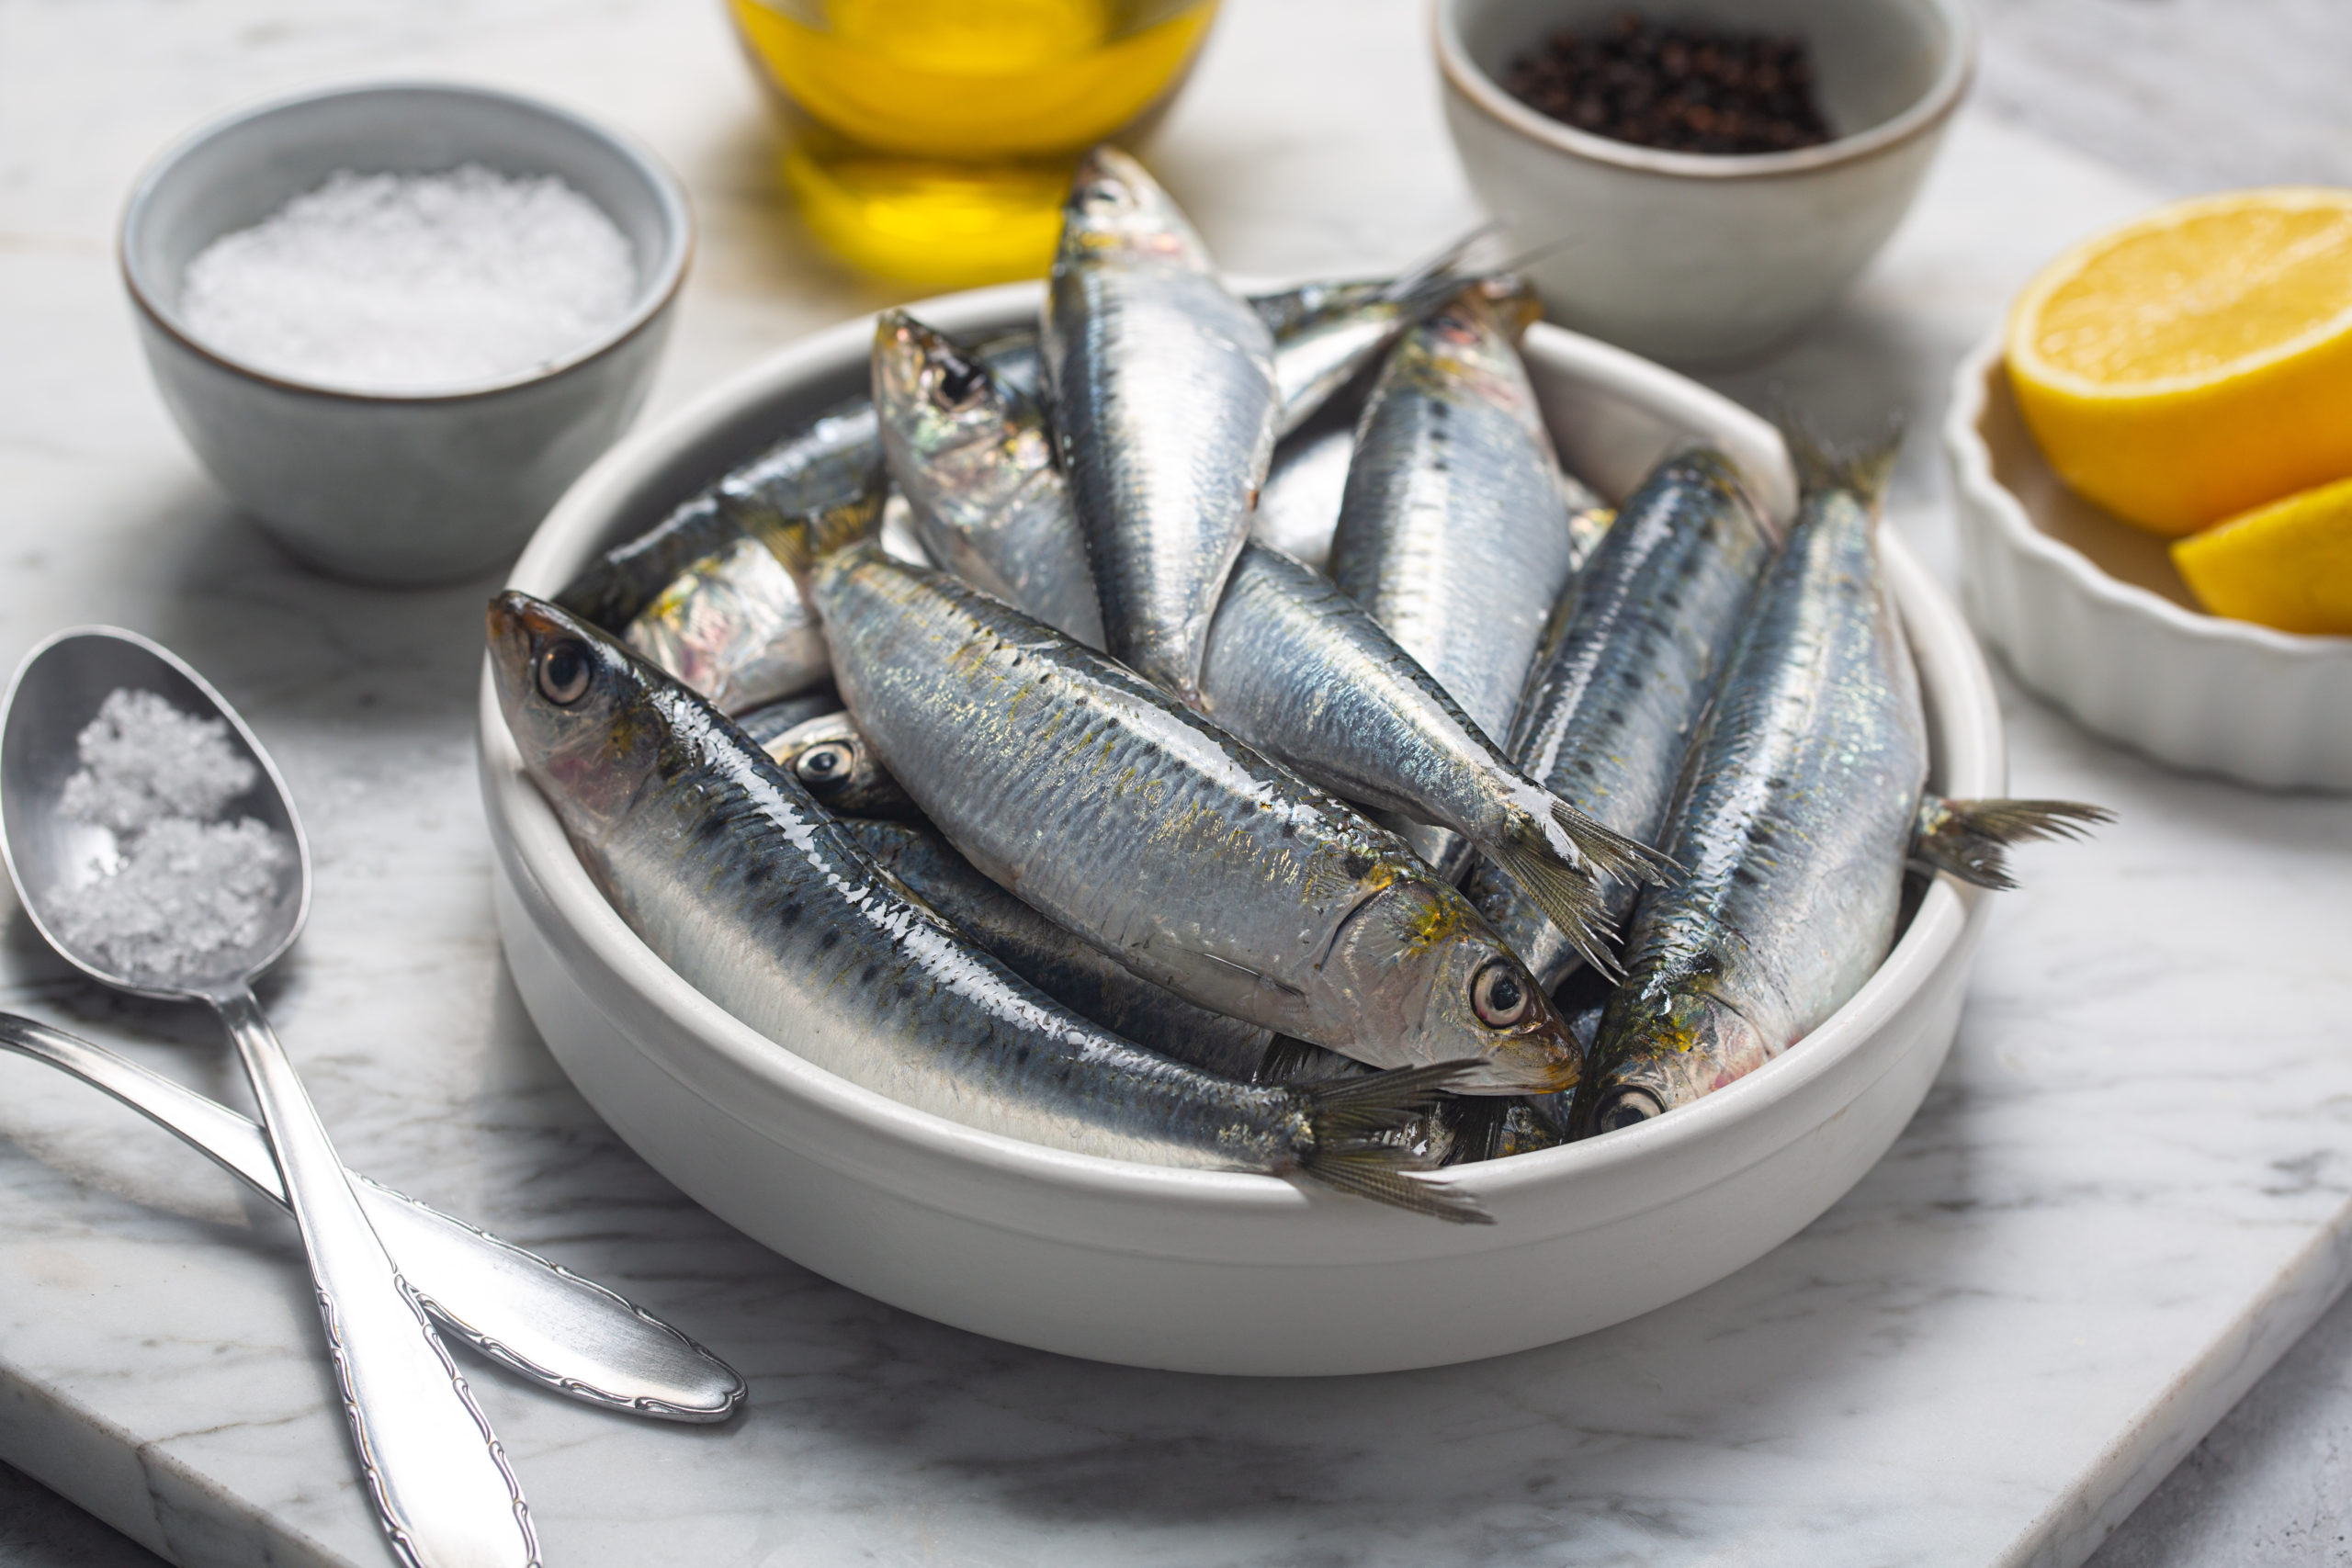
{"points": [[1207, 1271], [2089, 612]]}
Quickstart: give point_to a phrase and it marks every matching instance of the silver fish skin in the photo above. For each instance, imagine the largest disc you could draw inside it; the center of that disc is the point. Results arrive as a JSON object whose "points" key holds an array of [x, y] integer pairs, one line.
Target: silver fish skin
{"points": [[1325, 334], [1126, 819], [763, 901], [1165, 399], [1298, 510], [1791, 830], [1076, 974], [1612, 702], [828, 757], [1454, 531], [975, 458], [734, 625], [1304, 674]]}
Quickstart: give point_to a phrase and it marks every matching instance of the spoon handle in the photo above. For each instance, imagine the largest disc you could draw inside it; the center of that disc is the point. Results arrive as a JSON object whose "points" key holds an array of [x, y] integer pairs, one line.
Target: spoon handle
{"points": [[440, 1482], [564, 1333]]}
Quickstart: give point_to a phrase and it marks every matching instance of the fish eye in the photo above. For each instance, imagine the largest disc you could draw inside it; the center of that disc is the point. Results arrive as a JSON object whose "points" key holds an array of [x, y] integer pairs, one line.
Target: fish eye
{"points": [[1626, 1107], [829, 762], [565, 672], [958, 379], [1499, 996]]}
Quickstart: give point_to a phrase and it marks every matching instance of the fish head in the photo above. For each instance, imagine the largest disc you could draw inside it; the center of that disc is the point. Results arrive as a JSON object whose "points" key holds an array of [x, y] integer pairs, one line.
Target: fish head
{"points": [[835, 762], [960, 438], [579, 706], [1665, 1051], [1427, 982], [1116, 209], [927, 389]]}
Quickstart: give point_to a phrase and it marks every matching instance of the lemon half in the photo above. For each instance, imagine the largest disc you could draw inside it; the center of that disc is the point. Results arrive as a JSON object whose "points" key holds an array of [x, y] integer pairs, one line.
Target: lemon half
{"points": [[2196, 362]]}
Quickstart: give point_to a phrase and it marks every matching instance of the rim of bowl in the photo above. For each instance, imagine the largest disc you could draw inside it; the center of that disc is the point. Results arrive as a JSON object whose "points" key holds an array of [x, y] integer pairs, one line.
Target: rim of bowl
{"points": [[1952, 669], [1934, 105], [1971, 460], [654, 297]]}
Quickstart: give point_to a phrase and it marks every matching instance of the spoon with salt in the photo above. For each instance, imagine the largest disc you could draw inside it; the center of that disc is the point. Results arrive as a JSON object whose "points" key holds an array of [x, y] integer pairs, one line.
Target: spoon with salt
{"points": [[156, 848]]}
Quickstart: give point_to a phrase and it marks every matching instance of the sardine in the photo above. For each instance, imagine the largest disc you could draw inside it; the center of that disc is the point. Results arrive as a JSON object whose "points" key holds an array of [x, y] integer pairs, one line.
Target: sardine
{"points": [[975, 458], [1455, 531], [1165, 399], [1799, 810], [1080, 977], [833, 761], [733, 626], [761, 900], [1612, 702], [1124, 818], [1304, 674]]}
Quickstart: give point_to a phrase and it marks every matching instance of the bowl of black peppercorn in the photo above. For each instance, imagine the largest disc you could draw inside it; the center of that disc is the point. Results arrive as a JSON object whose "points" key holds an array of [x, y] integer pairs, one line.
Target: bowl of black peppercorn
{"points": [[1699, 182]]}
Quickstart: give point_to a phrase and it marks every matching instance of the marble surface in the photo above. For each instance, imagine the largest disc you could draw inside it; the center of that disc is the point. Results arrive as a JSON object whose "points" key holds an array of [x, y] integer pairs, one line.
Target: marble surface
{"points": [[2128, 1194]]}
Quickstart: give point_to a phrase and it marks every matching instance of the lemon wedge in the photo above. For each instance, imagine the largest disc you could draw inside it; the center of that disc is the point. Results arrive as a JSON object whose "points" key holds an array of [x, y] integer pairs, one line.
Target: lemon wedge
{"points": [[2287, 565], [2198, 361]]}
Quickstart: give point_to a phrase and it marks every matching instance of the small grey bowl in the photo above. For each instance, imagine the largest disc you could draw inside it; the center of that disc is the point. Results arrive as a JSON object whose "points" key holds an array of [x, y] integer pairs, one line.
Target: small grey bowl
{"points": [[397, 488], [1701, 257]]}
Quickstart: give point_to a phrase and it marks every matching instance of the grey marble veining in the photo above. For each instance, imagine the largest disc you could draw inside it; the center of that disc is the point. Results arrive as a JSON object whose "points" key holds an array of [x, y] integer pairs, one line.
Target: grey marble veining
{"points": [[2127, 1194]]}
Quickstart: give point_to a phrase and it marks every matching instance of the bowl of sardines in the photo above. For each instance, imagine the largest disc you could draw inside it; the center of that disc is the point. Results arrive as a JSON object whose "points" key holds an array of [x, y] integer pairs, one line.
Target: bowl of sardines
{"points": [[1303, 830]]}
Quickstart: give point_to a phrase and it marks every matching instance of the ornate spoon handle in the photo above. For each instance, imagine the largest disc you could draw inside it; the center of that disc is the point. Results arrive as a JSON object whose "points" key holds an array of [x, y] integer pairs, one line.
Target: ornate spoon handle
{"points": [[441, 1483], [565, 1333]]}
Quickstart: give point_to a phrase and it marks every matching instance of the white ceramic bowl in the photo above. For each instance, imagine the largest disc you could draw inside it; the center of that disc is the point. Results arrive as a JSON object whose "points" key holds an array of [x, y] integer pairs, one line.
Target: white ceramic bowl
{"points": [[397, 488], [2090, 614], [1692, 257], [1201, 1270]]}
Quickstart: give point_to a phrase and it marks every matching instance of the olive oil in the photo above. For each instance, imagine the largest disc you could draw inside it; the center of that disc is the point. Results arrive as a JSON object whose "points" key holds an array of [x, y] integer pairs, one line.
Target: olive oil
{"points": [[935, 137]]}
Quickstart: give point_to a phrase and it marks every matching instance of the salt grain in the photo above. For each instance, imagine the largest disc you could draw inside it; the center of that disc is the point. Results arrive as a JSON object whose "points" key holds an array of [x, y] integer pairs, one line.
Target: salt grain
{"points": [[410, 283], [143, 760], [180, 888]]}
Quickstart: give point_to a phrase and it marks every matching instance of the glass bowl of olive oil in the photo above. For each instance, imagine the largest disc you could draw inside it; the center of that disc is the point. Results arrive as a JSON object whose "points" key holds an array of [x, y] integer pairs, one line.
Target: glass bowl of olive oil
{"points": [[932, 140]]}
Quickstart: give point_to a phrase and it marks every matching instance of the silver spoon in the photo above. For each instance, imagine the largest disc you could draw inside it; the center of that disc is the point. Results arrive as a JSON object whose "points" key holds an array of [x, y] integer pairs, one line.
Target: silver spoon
{"points": [[440, 1482], [569, 1334]]}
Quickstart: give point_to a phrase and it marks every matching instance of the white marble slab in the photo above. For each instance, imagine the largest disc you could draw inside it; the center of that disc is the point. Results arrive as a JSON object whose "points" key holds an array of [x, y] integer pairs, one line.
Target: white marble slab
{"points": [[2127, 1194]]}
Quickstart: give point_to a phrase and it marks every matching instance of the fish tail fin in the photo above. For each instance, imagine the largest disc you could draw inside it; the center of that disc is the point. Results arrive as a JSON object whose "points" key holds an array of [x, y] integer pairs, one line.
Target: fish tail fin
{"points": [[1348, 1123], [801, 540], [1436, 273], [1821, 464], [1966, 838], [1626, 859], [1568, 892]]}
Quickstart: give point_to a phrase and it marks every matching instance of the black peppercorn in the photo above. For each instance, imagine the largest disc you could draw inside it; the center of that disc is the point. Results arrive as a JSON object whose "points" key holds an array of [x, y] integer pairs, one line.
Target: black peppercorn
{"points": [[1685, 87]]}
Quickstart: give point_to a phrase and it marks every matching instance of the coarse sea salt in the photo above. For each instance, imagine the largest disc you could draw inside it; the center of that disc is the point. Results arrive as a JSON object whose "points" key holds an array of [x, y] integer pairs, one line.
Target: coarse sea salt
{"points": [[413, 282], [181, 886]]}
